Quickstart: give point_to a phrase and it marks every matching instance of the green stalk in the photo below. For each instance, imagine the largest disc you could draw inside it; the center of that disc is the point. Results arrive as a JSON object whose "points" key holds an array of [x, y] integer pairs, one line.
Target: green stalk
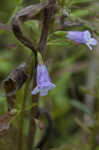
{"points": [[26, 94], [95, 131], [33, 116]]}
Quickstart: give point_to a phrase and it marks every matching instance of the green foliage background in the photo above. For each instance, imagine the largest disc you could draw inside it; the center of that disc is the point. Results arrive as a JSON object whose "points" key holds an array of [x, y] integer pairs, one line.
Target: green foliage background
{"points": [[68, 64]]}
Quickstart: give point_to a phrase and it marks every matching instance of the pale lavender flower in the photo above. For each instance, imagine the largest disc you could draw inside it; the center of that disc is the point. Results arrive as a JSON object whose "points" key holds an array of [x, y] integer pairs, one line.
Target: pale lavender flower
{"points": [[82, 37], [43, 81]]}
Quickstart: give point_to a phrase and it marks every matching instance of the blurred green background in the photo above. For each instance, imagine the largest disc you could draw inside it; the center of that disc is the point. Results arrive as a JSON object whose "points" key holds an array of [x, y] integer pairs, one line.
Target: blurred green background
{"points": [[73, 68]]}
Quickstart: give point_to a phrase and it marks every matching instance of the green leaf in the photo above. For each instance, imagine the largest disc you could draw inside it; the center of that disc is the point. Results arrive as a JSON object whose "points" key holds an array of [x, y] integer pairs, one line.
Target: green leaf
{"points": [[81, 107], [60, 95], [17, 1], [82, 1], [60, 33]]}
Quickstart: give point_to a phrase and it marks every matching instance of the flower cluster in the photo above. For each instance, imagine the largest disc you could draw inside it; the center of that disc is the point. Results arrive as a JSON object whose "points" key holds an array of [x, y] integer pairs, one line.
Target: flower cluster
{"points": [[82, 37]]}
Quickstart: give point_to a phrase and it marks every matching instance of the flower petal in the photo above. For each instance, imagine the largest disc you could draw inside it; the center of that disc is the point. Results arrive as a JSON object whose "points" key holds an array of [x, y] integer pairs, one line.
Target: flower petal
{"points": [[93, 41], [90, 47], [77, 36], [87, 35], [47, 86], [51, 86], [42, 75], [35, 91], [44, 93]]}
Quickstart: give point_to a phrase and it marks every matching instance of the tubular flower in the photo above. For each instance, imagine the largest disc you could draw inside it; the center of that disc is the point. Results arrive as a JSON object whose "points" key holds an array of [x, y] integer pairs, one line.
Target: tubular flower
{"points": [[43, 81], [82, 37]]}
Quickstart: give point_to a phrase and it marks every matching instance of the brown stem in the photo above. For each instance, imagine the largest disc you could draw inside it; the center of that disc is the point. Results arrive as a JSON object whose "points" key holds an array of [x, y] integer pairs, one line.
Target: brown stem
{"points": [[18, 33], [25, 14], [48, 129], [48, 13]]}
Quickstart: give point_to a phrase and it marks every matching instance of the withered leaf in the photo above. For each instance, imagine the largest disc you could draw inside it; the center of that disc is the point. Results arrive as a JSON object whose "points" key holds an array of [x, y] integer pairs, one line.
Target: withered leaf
{"points": [[5, 120], [30, 12], [16, 79], [13, 82]]}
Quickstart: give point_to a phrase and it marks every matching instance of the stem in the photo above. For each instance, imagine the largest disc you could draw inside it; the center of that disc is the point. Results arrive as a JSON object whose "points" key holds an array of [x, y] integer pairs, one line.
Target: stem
{"points": [[24, 15], [33, 113], [94, 143], [48, 131], [95, 132], [26, 92], [48, 13]]}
